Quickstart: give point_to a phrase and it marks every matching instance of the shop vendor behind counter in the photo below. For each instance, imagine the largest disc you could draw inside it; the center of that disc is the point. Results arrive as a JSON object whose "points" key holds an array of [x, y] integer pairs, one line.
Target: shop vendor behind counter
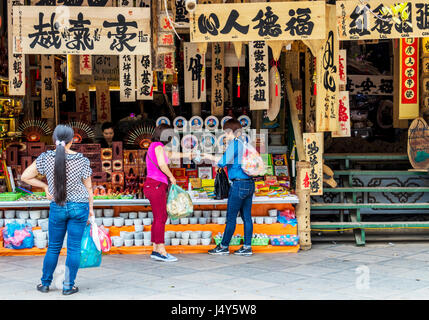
{"points": [[108, 135]]}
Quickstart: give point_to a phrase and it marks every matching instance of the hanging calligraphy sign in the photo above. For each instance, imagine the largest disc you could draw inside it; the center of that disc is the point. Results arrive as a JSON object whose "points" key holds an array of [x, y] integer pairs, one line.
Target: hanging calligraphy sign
{"points": [[425, 66], [409, 78], [143, 3], [144, 77], [217, 88], [169, 63], [181, 15], [127, 69], [342, 69], [258, 21], [105, 69], [327, 77], [343, 115], [356, 20], [379, 85], [313, 146], [84, 3], [48, 93], [87, 30], [103, 103], [16, 61], [194, 63], [127, 76], [82, 98], [85, 64], [258, 76]]}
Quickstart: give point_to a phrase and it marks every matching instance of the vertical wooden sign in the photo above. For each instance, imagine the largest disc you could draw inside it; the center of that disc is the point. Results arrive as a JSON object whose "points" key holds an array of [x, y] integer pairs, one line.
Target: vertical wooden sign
{"points": [[327, 76], [48, 92], [127, 76], [409, 78], [85, 64], [218, 94], [310, 99], [258, 76], [16, 61], [83, 103], [103, 103], [313, 146], [194, 63], [181, 15], [342, 69], [127, 69], [343, 115], [169, 63], [144, 78]]}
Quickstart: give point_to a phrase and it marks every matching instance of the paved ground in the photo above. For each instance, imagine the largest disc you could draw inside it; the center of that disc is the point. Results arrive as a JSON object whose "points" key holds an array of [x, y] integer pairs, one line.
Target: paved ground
{"points": [[327, 271]]}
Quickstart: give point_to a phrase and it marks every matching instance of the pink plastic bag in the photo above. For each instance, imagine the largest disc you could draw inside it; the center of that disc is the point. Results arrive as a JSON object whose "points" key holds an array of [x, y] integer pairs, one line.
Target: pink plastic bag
{"points": [[100, 236]]}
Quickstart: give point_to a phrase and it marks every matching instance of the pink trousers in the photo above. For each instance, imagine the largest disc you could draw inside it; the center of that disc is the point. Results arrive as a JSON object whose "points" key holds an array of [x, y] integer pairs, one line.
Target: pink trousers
{"points": [[156, 192]]}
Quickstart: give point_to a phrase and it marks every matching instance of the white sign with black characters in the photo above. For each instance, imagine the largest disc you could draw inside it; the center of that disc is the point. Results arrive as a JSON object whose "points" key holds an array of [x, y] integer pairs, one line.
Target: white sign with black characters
{"points": [[258, 75]]}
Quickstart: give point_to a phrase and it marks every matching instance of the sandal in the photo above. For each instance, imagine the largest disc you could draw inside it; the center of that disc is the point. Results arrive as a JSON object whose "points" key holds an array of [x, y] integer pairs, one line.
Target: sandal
{"points": [[42, 288], [70, 291]]}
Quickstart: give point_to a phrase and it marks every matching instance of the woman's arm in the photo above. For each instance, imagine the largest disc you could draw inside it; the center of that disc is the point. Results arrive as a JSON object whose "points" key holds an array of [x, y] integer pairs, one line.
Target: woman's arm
{"points": [[88, 185], [29, 176], [159, 151], [178, 155]]}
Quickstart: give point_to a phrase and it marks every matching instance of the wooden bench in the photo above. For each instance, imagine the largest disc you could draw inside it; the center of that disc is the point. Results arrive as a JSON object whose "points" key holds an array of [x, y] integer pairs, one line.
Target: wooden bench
{"points": [[348, 195]]}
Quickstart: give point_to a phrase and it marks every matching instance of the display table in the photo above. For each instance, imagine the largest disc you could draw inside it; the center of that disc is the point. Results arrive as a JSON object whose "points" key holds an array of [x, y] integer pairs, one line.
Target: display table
{"points": [[259, 208]]}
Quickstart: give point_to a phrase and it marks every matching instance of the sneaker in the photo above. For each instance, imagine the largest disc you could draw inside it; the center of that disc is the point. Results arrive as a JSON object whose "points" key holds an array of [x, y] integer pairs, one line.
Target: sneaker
{"points": [[42, 288], [244, 251], [219, 250], [159, 257], [70, 291]]}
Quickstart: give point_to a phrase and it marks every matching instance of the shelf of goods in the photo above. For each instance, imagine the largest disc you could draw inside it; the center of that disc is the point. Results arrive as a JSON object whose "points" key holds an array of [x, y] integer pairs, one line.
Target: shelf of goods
{"points": [[261, 206]]}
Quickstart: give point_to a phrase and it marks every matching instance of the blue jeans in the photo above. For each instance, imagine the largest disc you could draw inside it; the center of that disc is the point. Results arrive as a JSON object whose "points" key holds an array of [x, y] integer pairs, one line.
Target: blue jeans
{"points": [[239, 199], [70, 218]]}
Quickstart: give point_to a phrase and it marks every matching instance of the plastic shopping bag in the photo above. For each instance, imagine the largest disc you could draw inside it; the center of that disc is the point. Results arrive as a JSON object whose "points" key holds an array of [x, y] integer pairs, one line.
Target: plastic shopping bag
{"points": [[100, 236], [221, 185], [90, 256], [251, 162], [179, 203], [18, 236]]}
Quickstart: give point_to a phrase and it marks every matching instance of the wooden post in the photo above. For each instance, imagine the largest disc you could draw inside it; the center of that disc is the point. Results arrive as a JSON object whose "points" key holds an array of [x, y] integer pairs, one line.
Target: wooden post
{"points": [[303, 207]]}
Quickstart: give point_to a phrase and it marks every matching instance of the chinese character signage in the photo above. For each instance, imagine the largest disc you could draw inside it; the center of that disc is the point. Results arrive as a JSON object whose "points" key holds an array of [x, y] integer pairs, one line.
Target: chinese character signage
{"points": [[194, 63], [217, 89], [328, 77], [85, 30], [409, 78], [84, 3], [48, 91], [258, 76], [16, 61], [258, 21], [82, 98], [342, 69], [313, 146], [357, 20], [105, 69], [343, 115], [169, 63], [144, 77], [85, 64], [103, 103], [127, 76], [379, 85], [181, 15], [425, 46]]}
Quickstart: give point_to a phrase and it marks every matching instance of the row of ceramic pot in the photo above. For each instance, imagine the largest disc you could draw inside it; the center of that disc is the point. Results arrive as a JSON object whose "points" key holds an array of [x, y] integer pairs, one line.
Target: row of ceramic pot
{"points": [[43, 223], [23, 214]]}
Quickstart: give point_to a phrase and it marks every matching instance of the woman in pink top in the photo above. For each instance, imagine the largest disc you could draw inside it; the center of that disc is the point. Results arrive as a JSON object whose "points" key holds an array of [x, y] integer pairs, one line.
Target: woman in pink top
{"points": [[156, 188]]}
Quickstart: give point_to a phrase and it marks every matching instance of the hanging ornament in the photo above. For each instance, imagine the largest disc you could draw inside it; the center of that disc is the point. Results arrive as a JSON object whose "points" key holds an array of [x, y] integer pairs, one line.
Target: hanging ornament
{"points": [[202, 78], [238, 80], [164, 77]]}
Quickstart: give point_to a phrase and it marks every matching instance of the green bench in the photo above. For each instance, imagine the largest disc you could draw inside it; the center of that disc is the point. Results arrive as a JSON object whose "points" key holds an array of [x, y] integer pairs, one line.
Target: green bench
{"points": [[348, 195]]}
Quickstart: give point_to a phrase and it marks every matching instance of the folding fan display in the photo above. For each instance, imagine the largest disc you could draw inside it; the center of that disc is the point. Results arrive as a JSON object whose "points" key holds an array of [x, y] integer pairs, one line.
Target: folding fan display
{"points": [[82, 131], [140, 136], [33, 130]]}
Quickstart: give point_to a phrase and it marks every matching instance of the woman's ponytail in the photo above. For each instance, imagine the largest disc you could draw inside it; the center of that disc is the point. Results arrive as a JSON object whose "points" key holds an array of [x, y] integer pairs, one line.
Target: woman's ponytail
{"points": [[62, 136]]}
